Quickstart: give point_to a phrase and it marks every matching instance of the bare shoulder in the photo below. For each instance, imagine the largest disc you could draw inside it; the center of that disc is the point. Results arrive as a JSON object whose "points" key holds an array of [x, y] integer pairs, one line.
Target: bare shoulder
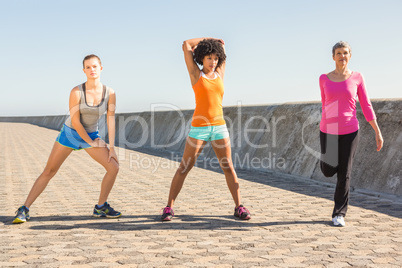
{"points": [[75, 92], [111, 91], [112, 97], [75, 89], [75, 97]]}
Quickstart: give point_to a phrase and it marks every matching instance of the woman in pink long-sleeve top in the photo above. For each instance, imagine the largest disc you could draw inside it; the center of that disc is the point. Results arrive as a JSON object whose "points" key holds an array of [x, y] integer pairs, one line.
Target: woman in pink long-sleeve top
{"points": [[339, 127]]}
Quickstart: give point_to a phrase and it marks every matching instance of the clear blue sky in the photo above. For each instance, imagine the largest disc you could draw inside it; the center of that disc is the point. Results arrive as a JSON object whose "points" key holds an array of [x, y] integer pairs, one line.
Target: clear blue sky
{"points": [[276, 50]]}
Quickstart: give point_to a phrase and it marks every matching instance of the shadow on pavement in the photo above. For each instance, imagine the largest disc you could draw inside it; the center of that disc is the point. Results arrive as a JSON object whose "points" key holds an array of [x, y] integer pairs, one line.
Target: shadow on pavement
{"points": [[378, 202], [153, 222]]}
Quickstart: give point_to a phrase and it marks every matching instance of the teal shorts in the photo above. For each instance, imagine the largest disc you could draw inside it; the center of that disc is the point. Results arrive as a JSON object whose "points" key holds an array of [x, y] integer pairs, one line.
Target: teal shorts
{"points": [[209, 133], [70, 138]]}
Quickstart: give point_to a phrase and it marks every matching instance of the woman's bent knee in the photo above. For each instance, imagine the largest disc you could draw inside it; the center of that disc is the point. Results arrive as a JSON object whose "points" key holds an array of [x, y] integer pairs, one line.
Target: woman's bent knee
{"points": [[327, 170], [113, 168], [49, 172]]}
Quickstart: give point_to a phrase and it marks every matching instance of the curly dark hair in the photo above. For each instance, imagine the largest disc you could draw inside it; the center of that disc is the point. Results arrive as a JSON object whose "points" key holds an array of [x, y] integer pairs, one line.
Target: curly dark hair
{"points": [[208, 47]]}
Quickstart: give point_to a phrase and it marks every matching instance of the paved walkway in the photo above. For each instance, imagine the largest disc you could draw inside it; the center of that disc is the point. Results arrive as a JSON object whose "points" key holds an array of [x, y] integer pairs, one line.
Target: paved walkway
{"points": [[290, 225]]}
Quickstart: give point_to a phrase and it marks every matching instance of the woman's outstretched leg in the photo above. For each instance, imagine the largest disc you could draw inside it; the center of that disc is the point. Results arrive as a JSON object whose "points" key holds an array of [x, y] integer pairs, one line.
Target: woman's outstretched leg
{"points": [[57, 156], [56, 159], [192, 150]]}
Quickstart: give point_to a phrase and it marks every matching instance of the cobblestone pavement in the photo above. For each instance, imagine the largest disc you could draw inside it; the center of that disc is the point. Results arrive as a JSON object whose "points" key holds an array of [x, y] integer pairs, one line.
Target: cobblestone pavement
{"points": [[290, 225]]}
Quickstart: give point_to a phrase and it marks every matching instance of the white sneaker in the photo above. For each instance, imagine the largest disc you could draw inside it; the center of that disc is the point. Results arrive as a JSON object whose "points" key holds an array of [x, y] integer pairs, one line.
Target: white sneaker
{"points": [[338, 221]]}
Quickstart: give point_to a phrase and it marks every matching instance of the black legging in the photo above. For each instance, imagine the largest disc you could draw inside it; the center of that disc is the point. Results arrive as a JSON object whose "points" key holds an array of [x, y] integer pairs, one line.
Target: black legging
{"points": [[337, 153]]}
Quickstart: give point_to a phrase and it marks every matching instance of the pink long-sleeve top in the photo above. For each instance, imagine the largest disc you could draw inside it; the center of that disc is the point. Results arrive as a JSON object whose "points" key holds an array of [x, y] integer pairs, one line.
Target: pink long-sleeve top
{"points": [[339, 104]]}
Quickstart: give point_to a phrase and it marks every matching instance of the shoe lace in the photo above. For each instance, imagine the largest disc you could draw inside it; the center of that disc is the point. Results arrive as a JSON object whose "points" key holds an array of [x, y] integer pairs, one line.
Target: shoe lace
{"points": [[20, 209], [107, 205], [167, 210], [241, 210]]}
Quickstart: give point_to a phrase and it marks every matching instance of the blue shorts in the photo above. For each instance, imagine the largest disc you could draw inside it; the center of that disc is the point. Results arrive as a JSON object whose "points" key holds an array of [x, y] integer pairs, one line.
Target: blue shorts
{"points": [[70, 138], [209, 133]]}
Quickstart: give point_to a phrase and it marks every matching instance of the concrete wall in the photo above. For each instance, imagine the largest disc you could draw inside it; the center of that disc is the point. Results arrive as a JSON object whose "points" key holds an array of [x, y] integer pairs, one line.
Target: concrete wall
{"points": [[270, 138], [52, 121]]}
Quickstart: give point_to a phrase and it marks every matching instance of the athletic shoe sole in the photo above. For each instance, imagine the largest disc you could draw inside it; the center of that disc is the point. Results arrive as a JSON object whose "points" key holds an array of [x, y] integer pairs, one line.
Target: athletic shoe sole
{"points": [[105, 216], [17, 220], [246, 218], [338, 224]]}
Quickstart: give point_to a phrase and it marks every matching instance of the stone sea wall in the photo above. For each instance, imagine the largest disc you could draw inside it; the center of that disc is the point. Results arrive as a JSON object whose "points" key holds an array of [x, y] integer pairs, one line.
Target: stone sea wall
{"points": [[269, 138]]}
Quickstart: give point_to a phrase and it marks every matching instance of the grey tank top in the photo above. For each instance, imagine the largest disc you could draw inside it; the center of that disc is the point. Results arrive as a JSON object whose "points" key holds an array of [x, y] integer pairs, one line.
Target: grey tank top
{"points": [[89, 115]]}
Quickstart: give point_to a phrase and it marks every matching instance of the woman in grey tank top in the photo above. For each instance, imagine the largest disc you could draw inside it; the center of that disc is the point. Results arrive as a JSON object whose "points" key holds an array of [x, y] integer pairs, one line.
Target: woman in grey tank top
{"points": [[88, 102]]}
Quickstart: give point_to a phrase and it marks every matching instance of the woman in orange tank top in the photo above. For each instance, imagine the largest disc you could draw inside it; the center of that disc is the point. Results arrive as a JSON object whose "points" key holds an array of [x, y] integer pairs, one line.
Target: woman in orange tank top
{"points": [[208, 123]]}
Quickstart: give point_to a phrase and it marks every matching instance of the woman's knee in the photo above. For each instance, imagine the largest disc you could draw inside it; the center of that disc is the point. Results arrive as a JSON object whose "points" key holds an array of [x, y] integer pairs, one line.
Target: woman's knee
{"points": [[328, 174], [327, 170], [113, 167], [49, 172], [227, 165], [185, 167]]}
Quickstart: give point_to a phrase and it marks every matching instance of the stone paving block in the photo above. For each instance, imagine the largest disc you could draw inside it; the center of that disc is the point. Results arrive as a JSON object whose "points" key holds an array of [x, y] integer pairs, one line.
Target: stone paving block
{"points": [[385, 265], [385, 260], [13, 264], [194, 251], [338, 265], [71, 258], [205, 259], [205, 264], [76, 266], [40, 261], [107, 264], [23, 258]]}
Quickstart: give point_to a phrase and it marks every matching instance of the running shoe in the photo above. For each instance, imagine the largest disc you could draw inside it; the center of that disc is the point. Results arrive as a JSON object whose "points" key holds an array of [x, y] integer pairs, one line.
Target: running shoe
{"points": [[242, 213], [105, 211], [22, 215], [339, 221], [167, 214]]}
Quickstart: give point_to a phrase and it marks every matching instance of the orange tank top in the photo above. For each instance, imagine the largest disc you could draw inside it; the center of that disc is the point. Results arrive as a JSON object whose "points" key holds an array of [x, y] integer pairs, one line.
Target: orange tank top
{"points": [[208, 102]]}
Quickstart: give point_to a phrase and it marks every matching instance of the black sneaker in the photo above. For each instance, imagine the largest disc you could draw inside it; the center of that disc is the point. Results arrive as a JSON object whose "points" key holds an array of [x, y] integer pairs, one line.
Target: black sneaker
{"points": [[105, 211]]}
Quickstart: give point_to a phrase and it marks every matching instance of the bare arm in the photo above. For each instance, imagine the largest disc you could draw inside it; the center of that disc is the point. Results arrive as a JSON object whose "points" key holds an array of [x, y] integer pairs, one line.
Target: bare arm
{"points": [[378, 136], [111, 124], [221, 69], [74, 105], [192, 67]]}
